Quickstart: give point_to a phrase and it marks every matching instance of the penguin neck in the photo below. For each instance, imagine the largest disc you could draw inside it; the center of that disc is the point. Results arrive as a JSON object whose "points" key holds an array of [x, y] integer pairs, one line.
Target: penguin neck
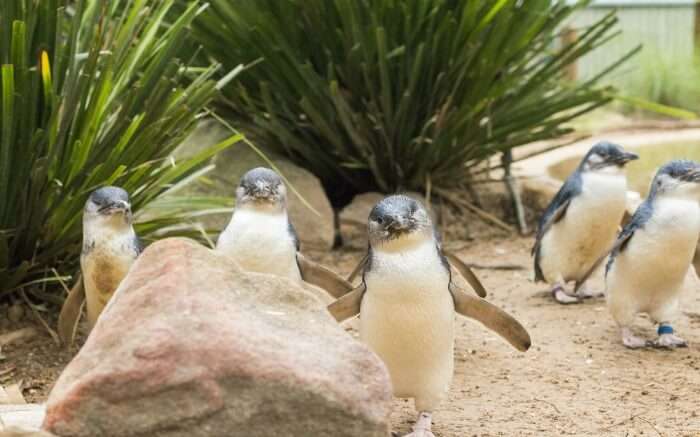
{"points": [[611, 172], [105, 229], [270, 208], [605, 186], [250, 213], [413, 241]]}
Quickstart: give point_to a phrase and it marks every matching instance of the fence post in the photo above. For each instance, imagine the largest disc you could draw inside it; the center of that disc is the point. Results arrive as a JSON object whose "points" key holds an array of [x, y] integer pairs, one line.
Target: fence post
{"points": [[569, 37]]}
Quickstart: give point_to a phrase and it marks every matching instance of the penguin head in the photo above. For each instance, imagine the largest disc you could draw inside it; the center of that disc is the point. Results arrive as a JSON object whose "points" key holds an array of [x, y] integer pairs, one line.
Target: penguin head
{"points": [[108, 205], [607, 158], [261, 188], [677, 179], [398, 218]]}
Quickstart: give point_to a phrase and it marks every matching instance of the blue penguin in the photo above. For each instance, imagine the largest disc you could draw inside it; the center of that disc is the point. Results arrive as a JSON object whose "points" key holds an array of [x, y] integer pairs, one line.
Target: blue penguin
{"points": [[261, 238], [581, 222], [653, 253], [110, 246], [407, 302]]}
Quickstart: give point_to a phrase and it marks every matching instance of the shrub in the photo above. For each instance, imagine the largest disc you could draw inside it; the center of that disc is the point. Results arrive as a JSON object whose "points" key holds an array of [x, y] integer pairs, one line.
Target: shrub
{"points": [[89, 96], [669, 80], [392, 94]]}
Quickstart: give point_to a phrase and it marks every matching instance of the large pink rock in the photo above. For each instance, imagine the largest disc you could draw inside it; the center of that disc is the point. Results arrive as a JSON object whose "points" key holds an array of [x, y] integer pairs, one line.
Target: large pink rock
{"points": [[191, 346]]}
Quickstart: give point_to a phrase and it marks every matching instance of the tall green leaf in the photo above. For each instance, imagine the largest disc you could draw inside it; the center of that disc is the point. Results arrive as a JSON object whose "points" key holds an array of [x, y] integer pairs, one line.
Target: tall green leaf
{"points": [[386, 94], [91, 95]]}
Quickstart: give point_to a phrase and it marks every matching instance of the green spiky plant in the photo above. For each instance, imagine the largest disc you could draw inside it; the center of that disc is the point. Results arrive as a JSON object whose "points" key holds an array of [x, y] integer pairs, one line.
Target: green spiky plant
{"points": [[393, 94], [90, 95]]}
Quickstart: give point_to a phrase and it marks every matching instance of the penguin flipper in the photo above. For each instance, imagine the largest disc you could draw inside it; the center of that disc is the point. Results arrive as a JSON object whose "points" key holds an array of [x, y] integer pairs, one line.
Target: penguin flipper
{"points": [[548, 220], [318, 275], [491, 317], [582, 280], [466, 273], [359, 267], [349, 305], [70, 312]]}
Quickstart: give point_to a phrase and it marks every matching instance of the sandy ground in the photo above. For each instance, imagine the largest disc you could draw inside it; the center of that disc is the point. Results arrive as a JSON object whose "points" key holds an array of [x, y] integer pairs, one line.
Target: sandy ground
{"points": [[577, 379]]}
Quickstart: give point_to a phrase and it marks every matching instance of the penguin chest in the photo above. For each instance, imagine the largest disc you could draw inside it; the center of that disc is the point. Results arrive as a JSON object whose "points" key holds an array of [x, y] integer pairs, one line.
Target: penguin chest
{"points": [[587, 230], [658, 255], [407, 318], [261, 243], [104, 267]]}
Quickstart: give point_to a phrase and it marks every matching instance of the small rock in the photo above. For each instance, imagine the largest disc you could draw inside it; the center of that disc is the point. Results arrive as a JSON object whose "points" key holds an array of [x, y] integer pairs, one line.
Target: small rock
{"points": [[192, 346]]}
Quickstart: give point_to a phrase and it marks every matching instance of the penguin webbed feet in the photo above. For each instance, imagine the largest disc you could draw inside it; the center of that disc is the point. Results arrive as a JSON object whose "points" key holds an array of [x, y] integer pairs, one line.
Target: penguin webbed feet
{"points": [[560, 295], [667, 339], [420, 433], [423, 425], [631, 341], [582, 293]]}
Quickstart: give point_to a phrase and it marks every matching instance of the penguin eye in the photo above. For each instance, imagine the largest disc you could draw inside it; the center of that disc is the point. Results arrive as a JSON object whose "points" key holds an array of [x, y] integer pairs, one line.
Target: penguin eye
{"points": [[380, 220]]}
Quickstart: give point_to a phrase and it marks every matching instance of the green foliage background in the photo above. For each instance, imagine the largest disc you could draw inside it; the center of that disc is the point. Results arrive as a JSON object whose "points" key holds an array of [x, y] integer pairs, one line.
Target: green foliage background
{"points": [[91, 95], [390, 94]]}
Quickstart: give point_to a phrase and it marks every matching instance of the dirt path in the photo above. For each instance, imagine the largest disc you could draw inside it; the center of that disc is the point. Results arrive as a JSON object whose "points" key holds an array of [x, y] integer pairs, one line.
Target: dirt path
{"points": [[576, 380]]}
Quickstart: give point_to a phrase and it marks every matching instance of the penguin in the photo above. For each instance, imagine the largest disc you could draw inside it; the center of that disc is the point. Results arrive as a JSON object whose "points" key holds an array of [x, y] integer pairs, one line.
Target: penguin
{"points": [[407, 302], [652, 255], [261, 238], [110, 247], [581, 222]]}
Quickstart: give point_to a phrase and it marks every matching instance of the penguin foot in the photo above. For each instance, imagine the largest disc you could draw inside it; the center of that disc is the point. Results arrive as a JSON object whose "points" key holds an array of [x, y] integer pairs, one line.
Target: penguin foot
{"points": [[564, 298], [631, 341], [669, 341], [585, 293], [420, 433], [422, 426]]}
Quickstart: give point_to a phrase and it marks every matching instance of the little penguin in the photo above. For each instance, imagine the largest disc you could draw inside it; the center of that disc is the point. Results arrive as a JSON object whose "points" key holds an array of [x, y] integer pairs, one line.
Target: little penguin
{"points": [[261, 238], [653, 253], [407, 302], [581, 222], [110, 246]]}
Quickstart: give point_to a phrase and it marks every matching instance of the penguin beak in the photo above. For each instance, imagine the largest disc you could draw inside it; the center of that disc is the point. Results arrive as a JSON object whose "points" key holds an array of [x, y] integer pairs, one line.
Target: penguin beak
{"points": [[260, 191], [118, 206], [625, 157], [398, 225], [695, 176]]}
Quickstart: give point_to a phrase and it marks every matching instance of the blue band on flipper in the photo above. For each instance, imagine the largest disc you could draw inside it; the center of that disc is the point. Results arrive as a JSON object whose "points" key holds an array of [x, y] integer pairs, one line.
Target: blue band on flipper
{"points": [[664, 329]]}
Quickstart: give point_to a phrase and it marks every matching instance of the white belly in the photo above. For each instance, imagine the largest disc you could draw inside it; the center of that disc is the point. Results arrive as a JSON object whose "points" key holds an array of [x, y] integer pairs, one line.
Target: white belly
{"points": [[650, 271], [587, 230], [407, 318], [260, 242]]}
